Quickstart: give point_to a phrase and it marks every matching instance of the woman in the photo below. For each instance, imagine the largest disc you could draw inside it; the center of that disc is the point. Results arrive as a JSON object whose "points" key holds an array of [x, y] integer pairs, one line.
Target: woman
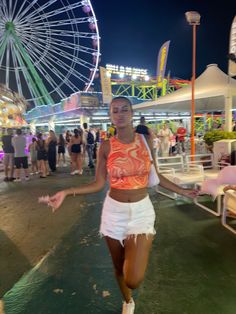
{"points": [[61, 150], [33, 156], [128, 215], [165, 135], [76, 152], [52, 150], [42, 155]]}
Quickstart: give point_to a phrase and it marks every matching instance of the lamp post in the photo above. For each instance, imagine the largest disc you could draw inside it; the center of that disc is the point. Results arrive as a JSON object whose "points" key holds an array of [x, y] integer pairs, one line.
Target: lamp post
{"points": [[193, 18]]}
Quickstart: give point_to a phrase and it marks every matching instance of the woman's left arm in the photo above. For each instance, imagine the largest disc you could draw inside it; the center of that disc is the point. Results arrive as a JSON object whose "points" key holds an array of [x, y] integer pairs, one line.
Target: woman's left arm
{"points": [[230, 187]]}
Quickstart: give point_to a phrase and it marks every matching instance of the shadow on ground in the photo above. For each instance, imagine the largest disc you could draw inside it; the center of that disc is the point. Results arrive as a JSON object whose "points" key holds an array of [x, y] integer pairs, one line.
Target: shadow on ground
{"points": [[12, 263]]}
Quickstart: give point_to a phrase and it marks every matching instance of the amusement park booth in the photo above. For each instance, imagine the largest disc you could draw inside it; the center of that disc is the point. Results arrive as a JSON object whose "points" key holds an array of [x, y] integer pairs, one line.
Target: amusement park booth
{"points": [[214, 91]]}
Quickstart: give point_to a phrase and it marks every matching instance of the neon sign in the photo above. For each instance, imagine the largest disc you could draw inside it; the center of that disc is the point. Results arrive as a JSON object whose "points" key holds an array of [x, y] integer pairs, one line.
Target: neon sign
{"points": [[119, 69]]}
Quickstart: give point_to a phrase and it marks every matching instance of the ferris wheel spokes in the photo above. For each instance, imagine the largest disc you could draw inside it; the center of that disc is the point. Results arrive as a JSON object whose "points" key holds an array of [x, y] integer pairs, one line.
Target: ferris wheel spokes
{"points": [[20, 14], [16, 66], [48, 63], [52, 13], [48, 47]]}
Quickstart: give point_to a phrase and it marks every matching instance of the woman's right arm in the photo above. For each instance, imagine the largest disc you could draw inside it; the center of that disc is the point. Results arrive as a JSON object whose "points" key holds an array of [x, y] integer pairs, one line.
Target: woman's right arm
{"points": [[93, 187]]}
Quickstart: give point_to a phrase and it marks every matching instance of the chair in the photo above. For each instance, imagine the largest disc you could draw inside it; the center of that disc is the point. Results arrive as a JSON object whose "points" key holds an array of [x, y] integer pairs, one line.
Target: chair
{"points": [[211, 170], [229, 205], [219, 199], [175, 170]]}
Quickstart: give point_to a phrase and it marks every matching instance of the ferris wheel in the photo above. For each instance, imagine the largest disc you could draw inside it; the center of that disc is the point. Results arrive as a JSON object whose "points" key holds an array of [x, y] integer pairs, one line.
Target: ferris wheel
{"points": [[48, 49]]}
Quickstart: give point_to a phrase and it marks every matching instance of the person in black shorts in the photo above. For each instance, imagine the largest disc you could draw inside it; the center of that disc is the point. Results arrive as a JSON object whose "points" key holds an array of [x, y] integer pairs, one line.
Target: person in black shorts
{"points": [[61, 150], [42, 155], [76, 152]]}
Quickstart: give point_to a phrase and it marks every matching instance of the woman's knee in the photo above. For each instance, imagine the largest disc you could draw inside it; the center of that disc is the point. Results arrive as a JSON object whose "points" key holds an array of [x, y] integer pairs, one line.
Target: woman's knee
{"points": [[133, 282]]}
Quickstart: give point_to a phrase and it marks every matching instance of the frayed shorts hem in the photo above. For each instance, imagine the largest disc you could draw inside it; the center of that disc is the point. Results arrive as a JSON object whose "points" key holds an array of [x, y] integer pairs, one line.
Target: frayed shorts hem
{"points": [[129, 236]]}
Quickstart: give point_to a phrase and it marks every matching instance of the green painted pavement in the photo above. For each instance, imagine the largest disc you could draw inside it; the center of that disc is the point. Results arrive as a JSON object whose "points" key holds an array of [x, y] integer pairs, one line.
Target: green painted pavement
{"points": [[191, 270]]}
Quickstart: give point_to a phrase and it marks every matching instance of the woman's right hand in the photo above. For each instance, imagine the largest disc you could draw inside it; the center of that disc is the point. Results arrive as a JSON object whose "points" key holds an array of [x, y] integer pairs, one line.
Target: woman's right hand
{"points": [[56, 200]]}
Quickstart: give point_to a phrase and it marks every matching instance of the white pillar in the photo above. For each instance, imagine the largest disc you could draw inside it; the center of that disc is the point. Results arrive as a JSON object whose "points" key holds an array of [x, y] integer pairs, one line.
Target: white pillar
{"points": [[104, 126], [188, 125], [32, 127], [51, 125], [228, 113], [84, 119]]}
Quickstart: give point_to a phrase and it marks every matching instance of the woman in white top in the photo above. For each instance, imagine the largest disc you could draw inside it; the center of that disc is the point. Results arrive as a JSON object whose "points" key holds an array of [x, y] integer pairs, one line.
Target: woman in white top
{"points": [[164, 135]]}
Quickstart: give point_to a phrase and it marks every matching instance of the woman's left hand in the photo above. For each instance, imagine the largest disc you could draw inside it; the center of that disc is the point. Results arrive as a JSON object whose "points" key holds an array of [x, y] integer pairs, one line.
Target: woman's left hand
{"points": [[230, 187], [190, 193]]}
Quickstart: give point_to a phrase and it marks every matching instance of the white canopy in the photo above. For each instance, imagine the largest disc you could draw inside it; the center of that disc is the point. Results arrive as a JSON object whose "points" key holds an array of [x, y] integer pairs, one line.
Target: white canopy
{"points": [[212, 88]]}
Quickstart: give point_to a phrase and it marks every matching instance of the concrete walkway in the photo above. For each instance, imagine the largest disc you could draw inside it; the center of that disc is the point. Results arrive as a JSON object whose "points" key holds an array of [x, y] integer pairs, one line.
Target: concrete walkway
{"points": [[56, 263]]}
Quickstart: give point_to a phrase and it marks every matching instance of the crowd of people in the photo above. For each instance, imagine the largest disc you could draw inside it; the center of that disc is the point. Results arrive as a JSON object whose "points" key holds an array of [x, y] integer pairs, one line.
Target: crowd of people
{"points": [[166, 142], [45, 153]]}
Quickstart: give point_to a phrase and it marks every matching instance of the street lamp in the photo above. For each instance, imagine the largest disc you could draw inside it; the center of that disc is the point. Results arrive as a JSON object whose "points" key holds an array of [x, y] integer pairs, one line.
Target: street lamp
{"points": [[193, 18]]}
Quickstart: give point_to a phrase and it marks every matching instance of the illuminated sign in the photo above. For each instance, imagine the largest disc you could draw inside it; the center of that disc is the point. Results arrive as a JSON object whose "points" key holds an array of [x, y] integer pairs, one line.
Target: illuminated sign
{"points": [[233, 38], [161, 63], [119, 69], [232, 48]]}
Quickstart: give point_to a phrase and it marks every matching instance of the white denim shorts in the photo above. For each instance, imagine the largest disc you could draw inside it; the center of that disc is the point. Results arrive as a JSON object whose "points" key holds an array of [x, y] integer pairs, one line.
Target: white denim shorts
{"points": [[121, 220]]}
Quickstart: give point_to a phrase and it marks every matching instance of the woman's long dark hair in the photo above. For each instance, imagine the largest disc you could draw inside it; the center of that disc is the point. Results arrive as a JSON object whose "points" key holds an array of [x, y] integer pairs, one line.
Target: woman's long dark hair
{"points": [[76, 132], [61, 140]]}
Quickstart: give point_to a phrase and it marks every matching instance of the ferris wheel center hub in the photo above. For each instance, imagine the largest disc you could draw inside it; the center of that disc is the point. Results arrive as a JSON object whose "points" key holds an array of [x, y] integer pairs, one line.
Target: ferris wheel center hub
{"points": [[10, 26]]}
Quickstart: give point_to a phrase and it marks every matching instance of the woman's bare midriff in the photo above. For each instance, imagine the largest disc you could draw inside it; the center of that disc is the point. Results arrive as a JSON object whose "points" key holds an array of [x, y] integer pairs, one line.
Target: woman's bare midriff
{"points": [[128, 196]]}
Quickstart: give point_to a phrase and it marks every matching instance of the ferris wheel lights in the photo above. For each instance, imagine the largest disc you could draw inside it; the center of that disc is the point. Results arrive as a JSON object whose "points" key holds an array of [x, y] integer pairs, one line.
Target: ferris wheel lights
{"points": [[92, 26], [86, 9], [95, 43], [146, 78]]}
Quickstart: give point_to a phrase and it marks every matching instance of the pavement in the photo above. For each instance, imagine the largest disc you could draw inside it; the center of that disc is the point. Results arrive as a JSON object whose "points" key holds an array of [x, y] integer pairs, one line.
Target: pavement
{"points": [[58, 264]]}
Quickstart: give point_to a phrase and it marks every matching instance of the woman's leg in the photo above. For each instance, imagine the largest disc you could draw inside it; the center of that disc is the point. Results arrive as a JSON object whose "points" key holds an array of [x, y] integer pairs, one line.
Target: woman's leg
{"points": [[118, 255], [79, 163], [73, 161], [58, 159], [43, 168], [33, 166], [137, 248]]}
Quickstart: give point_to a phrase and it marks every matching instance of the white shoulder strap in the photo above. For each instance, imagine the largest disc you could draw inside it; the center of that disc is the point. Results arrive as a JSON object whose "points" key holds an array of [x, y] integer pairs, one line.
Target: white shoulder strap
{"points": [[148, 148]]}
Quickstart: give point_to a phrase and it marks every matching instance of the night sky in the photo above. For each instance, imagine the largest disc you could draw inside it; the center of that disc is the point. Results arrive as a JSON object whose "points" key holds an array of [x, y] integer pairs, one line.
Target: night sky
{"points": [[132, 32]]}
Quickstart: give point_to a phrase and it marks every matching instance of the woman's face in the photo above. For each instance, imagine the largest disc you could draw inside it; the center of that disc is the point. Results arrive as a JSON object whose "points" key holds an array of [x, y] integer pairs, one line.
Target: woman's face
{"points": [[121, 113]]}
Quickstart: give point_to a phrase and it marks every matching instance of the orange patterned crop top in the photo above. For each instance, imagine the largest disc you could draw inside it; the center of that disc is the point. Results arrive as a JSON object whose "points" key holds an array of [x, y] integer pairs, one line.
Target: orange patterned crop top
{"points": [[128, 164]]}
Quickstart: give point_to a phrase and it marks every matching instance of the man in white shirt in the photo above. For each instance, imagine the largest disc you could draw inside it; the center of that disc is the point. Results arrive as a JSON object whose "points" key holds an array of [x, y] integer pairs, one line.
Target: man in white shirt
{"points": [[20, 157]]}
